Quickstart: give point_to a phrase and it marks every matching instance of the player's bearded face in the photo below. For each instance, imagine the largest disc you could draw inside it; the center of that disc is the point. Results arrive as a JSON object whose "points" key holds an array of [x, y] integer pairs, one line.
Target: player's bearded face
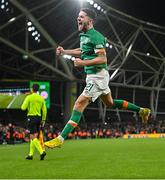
{"points": [[83, 21]]}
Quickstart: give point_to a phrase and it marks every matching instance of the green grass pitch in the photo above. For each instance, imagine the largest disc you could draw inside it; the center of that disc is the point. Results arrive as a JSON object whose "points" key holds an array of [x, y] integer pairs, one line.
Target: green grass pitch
{"points": [[11, 102], [5, 100], [18, 101], [88, 159]]}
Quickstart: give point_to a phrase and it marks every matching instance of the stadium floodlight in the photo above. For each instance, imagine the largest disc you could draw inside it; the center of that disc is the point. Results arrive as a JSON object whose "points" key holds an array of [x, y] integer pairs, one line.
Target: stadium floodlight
{"points": [[96, 5], [31, 28], [36, 32], [98, 8], [91, 2], [33, 33], [4, 5], [107, 44], [29, 23], [36, 38]]}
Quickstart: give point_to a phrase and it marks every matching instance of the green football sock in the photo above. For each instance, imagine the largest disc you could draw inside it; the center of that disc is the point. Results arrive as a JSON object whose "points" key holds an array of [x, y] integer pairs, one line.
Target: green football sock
{"points": [[122, 104], [38, 146], [72, 123], [32, 148]]}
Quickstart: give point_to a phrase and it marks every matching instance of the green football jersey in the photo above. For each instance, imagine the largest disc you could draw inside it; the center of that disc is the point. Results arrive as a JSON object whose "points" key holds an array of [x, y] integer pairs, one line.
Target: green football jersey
{"points": [[90, 43]]}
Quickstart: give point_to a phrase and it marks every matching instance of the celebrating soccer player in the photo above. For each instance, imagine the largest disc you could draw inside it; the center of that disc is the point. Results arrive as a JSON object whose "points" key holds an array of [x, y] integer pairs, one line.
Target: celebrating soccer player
{"points": [[92, 56]]}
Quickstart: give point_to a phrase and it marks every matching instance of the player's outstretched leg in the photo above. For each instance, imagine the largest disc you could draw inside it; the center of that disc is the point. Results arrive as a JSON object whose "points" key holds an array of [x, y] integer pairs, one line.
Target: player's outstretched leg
{"points": [[144, 113], [72, 123], [54, 143]]}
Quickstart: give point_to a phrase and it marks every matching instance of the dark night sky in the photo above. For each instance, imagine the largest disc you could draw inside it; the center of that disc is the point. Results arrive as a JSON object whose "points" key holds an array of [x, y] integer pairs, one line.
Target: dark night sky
{"points": [[148, 10]]}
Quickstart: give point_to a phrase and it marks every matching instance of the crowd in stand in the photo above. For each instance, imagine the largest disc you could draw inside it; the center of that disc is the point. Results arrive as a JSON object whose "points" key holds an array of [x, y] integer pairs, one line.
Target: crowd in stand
{"points": [[11, 134]]}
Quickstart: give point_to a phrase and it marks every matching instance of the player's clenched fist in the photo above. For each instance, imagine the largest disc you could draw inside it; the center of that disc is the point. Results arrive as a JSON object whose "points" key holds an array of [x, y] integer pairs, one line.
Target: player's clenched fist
{"points": [[59, 50], [78, 62]]}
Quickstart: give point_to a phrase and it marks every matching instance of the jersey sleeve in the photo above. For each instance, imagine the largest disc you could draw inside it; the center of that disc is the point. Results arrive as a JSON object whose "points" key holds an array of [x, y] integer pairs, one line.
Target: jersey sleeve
{"points": [[99, 45]]}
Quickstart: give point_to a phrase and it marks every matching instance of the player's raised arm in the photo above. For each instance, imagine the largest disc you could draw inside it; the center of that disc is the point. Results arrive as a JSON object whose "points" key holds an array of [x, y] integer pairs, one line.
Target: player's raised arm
{"points": [[74, 52]]}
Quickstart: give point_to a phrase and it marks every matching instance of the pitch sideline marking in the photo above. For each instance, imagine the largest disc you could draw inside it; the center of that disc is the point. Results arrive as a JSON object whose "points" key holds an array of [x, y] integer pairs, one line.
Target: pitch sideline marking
{"points": [[11, 102]]}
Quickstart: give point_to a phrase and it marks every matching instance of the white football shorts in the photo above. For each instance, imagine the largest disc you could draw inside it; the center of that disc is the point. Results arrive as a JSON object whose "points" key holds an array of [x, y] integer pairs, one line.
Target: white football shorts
{"points": [[96, 85]]}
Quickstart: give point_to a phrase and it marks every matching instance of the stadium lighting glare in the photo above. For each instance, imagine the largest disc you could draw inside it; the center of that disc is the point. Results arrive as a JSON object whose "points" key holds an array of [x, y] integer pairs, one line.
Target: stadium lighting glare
{"points": [[65, 56], [25, 56], [73, 58], [111, 46], [69, 57], [2, 6], [12, 19]]}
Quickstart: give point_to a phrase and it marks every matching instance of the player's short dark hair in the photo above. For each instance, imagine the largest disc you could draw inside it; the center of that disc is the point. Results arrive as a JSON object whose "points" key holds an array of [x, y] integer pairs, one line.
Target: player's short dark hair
{"points": [[35, 87], [91, 13]]}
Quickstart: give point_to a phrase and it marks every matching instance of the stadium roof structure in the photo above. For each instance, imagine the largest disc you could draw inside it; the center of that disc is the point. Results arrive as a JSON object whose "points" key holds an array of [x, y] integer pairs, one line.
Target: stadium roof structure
{"points": [[31, 30]]}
